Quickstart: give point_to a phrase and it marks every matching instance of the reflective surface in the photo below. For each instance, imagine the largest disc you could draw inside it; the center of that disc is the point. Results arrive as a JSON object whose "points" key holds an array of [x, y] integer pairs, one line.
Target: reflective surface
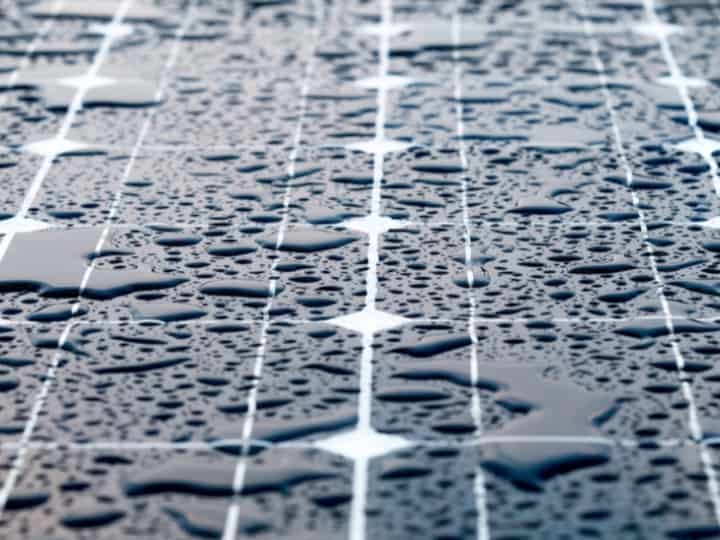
{"points": [[310, 269]]}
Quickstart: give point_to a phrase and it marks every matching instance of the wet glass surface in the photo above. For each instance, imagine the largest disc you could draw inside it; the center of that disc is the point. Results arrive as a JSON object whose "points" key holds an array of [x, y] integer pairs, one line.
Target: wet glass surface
{"points": [[320, 269]]}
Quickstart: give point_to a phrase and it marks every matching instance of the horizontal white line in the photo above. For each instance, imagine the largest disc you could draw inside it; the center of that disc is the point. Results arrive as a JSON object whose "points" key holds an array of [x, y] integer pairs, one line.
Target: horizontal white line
{"points": [[483, 440], [271, 150], [231, 223], [281, 321]]}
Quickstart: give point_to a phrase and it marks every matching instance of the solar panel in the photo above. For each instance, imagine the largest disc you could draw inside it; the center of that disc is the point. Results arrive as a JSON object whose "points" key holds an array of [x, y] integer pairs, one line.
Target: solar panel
{"points": [[313, 269]]}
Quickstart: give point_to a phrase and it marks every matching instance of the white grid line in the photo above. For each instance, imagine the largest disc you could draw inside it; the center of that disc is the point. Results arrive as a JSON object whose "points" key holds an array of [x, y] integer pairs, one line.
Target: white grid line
{"points": [[230, 530], [473, 442], [358, 516], [229, 224], [409, 322], [693, 420], [482, 526], [100, 148]]}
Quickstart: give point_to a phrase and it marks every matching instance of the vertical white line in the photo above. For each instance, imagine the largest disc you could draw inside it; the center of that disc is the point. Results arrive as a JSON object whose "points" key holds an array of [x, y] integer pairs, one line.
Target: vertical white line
{"points": [[619, 144], [144, 129], [364, 422], [693, 416], [358, 516], [19, 460], [467, 226], [40, 399], [378, 157], [233, 513], [712, 480], [482, 527]]}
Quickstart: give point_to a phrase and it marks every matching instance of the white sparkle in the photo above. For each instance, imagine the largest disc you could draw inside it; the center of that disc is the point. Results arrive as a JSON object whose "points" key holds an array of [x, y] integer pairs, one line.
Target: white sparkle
{"points": [[388, 82], [705, 147], [712, 223], [363, 444], [22, 225], [684, 82], [369, 321], [378, 146], [54, 147], [86, 81], [112, 30], [389, 30], [373, 224], [658, 30]]}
